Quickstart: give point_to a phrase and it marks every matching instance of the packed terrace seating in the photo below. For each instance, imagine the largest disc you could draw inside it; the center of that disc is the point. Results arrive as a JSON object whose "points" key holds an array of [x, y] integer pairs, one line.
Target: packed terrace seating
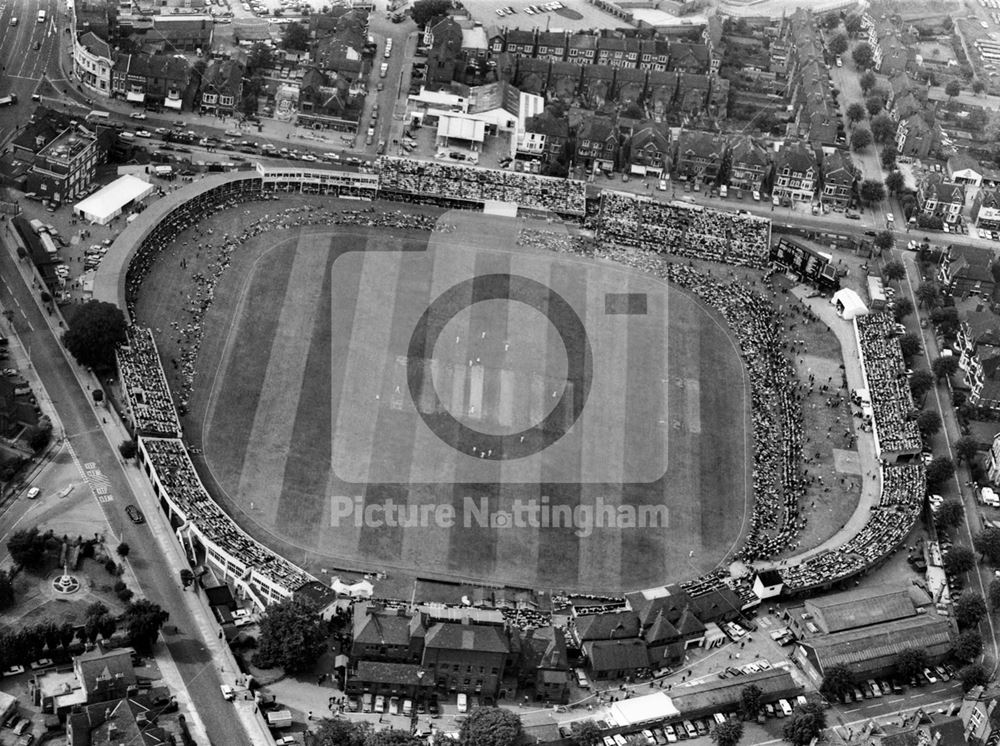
{"points": [[145, 386], [885, 371], [891, 521], [453, 184], [177, 475], [684, 230]]}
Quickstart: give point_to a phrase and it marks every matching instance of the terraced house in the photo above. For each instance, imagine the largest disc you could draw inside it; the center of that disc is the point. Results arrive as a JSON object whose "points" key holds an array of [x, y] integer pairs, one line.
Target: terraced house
{"points": [[748, 164], [796, 172]]}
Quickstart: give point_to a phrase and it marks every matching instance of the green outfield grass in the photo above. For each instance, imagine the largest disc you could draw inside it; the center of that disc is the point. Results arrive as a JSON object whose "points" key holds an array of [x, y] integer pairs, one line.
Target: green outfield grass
{"points": [[301, 397]]}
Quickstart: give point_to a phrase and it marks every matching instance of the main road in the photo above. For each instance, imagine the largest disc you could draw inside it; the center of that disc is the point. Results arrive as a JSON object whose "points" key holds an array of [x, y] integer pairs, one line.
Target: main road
{"points": [[99, 459]]}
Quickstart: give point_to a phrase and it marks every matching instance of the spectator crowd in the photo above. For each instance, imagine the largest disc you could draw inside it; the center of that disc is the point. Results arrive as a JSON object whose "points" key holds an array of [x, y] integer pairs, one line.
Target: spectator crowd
{"points": [[684, 230], [147, 395], [448, 184]]}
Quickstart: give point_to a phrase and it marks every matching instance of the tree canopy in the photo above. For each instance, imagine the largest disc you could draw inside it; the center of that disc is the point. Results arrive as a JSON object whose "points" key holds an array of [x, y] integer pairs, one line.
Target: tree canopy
{"points": [[895, 182], [29, 546], [296, 37], [143, 620], [806, 723], [856, 112], [950, 513], [291, 637], [973, 675], [920, 383], [585, 733], [883, 128], [836, 681], [987, 543], [910, 345], [750, 701], [904, 307], [959, 559], [338, 731], [953, 88], [426, 10], [969, 609], [967, 448], [862, 55], [929, 423], [939, 471], [861, 138], [909, 663], [929, 294], [728, 733], [838, 44], [94, 331], [884, 240], [968, 645], [872, 191], [491, 726], [945, 366], [893, 270]]}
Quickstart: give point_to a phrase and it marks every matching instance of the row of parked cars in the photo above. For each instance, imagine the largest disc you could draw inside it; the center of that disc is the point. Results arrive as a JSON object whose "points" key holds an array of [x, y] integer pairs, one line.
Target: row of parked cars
{"points": [[875, 688], [394, 705]]}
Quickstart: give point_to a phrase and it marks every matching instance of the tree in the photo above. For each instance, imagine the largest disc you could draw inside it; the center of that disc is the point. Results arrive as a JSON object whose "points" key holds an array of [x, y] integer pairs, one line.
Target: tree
{"points": [[968, 645], [939, 471], [838, 44], [836, 681], [950, 513], [491, 726], [862, 55], [750, 703], [904, 307], [27, 547], [338, 731], [920, 383], [122, 550], [883, 129], [966, 448], [856, 112], [928, 423], [6, 590], [296, 37], [425, 10], [259, 58], [853, 23], [861, 138], [929, 294], [291, 637], [994, 594], [143, 620], [888, 157], [98, 622], [946, 320], [987, 543], [953, 88], [128, 449], [884, 240], [585, 733], [895, 182], [94, 332], [910, 345], [728, 733], [978, 86], [874, 104], [872, 191], [187, 577], [910, 662], [805, 724], [969, 609], [959, 559], [944, 367], [867, 81], [973, 675]]}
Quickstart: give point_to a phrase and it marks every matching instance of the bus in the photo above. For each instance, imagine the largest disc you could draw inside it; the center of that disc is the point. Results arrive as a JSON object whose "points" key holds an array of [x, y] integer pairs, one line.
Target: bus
{"points": [[41, 16]]}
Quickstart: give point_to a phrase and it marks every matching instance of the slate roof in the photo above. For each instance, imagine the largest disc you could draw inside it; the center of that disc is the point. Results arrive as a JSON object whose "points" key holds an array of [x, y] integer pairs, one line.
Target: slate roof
{"points": [[97, 665], [476, 637], [607, 626], [797, 156], [861, 607], [617, 655], [870, 646], [400, 674], [380, 629]]}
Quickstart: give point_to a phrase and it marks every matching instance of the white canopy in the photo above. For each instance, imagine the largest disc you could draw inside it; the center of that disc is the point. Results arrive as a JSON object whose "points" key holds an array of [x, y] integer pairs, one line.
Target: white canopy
{"points": [[647, 709], [849, 304], [107, 203]]}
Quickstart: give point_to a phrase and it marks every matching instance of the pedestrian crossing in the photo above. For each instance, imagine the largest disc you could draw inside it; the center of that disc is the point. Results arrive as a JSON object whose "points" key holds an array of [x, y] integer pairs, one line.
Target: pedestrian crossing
{"points": [[100, 483]]}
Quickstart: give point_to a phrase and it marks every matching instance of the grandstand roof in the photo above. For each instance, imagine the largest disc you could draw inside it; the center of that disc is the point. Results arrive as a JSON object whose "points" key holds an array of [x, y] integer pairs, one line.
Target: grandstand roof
{"points": [[861, 607], [871, 648]]}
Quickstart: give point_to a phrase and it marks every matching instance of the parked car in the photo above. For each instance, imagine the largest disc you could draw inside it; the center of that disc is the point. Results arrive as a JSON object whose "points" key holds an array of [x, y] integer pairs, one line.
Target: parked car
{"points": [[134, 514], [929, 675]]}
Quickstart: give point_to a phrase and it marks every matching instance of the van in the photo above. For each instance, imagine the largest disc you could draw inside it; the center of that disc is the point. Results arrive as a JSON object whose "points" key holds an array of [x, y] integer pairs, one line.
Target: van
{"points": [[786, 709], [463, 703], [98, 116], [719, 718], [13, 21], [723, 191], [581, 679], [8, 100], [366, 702]]}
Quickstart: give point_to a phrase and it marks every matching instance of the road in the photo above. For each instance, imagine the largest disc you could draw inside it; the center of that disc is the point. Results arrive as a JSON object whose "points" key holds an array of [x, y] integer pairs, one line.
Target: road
{"points": [[103, 468], [22, 65]]}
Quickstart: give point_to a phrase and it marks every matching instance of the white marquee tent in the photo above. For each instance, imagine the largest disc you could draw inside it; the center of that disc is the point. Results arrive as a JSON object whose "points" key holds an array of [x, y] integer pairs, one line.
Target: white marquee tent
{"points": [[639, 710], [849, 304], [102, 206]]}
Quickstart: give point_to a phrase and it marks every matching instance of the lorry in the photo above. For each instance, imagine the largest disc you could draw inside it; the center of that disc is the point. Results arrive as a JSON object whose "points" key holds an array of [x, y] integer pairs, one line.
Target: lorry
{"points": [[8, 100], [279, 719]]}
